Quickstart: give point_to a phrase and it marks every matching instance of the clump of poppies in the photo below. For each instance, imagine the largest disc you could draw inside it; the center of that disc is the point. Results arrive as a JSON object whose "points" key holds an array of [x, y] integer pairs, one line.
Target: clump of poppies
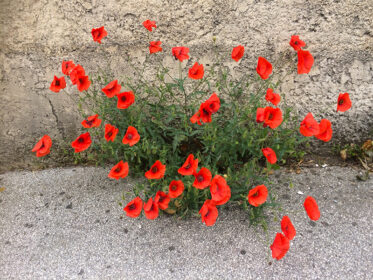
{"points": [[199, 143]]}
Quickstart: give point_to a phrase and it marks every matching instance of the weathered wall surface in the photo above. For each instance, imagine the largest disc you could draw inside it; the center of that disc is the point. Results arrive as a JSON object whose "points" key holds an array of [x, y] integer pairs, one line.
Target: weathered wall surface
{"points": [[36, 35]]}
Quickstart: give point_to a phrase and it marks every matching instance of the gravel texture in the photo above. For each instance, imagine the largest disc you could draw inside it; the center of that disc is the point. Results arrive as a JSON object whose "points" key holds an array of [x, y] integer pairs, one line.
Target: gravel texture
{"points": [[66, 224]]}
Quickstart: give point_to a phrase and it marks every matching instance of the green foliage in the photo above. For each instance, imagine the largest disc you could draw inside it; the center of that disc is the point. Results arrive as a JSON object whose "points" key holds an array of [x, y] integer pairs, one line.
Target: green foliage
{"points": [[230, 145]]}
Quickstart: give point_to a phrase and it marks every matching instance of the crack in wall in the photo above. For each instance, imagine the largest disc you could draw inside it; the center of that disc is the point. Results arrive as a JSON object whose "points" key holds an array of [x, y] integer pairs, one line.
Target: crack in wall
{"points": [[59, 124]]}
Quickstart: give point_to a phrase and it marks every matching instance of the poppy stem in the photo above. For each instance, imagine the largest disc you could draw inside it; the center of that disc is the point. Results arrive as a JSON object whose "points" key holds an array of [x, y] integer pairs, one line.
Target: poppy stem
{"points": [[181, 86], [180, 73]]}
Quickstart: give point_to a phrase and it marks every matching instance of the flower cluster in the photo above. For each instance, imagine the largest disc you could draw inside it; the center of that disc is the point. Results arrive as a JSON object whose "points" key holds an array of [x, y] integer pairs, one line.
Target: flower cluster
{"points": [[207, 108], [203, 185], [281, 243], [305, 59], [323, 130], [219, 190], [77, 77]]}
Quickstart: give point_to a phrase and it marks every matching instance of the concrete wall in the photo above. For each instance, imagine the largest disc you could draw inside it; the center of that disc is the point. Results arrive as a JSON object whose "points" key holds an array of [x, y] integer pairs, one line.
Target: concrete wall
{"points": [[36, 35]]}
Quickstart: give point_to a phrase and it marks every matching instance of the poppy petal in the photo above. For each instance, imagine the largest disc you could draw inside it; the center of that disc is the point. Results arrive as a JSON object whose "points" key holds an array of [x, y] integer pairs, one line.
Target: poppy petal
{"points": [[237, 52], [287, 228], [311, 207], [258, 195], [134, 208], [157, 171]]}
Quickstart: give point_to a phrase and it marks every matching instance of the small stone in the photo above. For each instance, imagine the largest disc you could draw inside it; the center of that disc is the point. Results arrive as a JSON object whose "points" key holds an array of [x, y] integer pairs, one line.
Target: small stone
{"points": [[69, 206], [243, 252], [312, 223], [286, 196], [325, 224], [81, 272]]}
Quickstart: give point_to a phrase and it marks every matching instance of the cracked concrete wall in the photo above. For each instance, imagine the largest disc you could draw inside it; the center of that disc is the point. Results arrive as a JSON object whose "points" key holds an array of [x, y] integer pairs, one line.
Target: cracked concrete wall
{"points": [[36, 35]]}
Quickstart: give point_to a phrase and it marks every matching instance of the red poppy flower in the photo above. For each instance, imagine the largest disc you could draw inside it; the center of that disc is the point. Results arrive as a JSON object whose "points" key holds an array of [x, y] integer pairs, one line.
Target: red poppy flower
{"points": [[131, 137], [264, 68], [112, 89], [98, 34], [120, 170], [133, 208], [325, 130], [175, 188], [213, 103], [58, 84], [280, 246], [344, 102], [82, 142], [42, 148], [202, 178], [156, 171], [91, 121], [237, 53], [151, 209], [155, 46], [207, 108], [196, 118], [260, 115], [309, 126], [189, 167], [162, 199], [75, 73], [148, 24], [305, 62], [296, 43], [272, 97], [180, 53], [270, 155], [220, 191], [272, 117], [209, 213], [287, 228], [83, 83], [125, 99], [67, 67], [110, 132], [196, 72], [205, 113], [312, 208], [258, 195]]}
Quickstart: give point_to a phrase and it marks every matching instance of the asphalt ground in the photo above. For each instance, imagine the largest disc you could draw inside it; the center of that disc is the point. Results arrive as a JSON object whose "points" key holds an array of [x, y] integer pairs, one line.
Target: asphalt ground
{"points": [[67, 224]]}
